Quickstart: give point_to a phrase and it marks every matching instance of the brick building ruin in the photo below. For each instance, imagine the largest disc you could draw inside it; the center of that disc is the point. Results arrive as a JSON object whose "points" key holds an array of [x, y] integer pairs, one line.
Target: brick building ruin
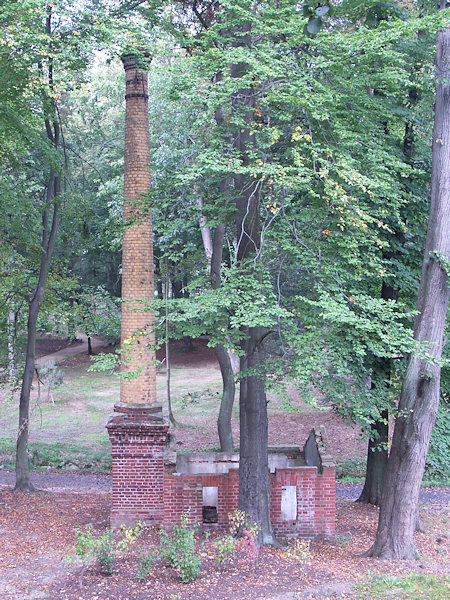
{"points": [[151, 483]]}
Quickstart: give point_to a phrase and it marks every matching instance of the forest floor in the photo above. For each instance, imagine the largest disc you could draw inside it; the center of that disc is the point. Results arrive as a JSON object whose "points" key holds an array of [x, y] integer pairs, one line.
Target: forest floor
{"points": [[37, 529]]}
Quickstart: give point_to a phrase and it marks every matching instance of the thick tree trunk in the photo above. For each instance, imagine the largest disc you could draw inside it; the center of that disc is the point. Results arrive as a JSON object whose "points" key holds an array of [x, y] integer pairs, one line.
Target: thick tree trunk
{"points": [[254, 489], [253, 455], [419, 398]]}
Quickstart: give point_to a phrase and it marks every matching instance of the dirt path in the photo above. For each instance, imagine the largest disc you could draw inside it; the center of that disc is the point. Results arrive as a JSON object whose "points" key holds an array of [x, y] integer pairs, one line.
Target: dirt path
{"points": [[72, 350], [73, 481]]}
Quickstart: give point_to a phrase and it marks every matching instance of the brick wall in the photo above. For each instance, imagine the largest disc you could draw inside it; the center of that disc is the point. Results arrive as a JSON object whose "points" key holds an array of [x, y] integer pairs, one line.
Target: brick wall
{"points": [[137, 254], [138, 441], [315, 499], [144, 489]]}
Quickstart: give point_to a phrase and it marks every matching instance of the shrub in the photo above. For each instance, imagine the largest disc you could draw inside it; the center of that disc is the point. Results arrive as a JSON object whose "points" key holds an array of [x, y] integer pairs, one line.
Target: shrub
{"points": [[105, 552], [179, 550], [242, 539], [102, 549], [225, 547], [146, 561]]}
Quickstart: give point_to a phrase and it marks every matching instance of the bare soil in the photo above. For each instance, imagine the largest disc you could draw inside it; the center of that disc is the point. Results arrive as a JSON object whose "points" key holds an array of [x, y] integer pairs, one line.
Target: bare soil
{"points": [[37, 529], [37, 532]]}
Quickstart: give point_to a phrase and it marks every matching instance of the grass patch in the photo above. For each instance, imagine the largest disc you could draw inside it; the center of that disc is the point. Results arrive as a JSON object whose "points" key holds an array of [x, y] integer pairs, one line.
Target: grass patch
{"points": [[57, 455], [351, 469], [436, 481], [412, 587]]}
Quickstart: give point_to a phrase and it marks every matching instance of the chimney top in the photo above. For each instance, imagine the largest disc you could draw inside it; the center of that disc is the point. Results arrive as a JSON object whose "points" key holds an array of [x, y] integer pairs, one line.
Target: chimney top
{"points": [[136, 60]]}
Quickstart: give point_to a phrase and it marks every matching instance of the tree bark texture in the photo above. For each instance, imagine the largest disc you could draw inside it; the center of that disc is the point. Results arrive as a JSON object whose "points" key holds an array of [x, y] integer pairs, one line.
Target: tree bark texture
{"points": [[419, 397], [13, 376], [253, 456], [377, 457]]}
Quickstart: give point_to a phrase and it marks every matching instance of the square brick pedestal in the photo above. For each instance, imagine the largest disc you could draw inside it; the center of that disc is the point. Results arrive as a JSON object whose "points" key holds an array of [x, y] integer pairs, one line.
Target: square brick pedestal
{"points": [[138, 436]]}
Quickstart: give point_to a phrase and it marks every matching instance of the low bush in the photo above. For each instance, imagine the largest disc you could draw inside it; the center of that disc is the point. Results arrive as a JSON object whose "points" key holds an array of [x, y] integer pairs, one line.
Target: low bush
{"points": [[178, 550]]}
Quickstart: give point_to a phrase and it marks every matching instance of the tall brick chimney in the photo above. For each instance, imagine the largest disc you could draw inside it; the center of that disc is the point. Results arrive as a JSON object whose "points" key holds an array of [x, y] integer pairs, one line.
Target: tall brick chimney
{"points": [[137, 431]]}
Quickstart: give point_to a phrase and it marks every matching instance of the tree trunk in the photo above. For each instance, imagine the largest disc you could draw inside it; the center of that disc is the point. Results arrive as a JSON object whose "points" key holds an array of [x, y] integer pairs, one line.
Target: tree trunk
{"points": [[377, 457], [253, 454], [226, 404], [13, 376], [205, 229], [48, 243], [167, 349], [377, 452], [254, 489], [223, 355], [419, 397]]}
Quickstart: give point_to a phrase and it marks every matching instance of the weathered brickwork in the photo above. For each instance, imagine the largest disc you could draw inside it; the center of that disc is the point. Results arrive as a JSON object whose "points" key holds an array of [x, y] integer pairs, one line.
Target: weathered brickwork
{"points": [[316, 513], [137, 255], [137, 431], [144, 489], [138, 439]]}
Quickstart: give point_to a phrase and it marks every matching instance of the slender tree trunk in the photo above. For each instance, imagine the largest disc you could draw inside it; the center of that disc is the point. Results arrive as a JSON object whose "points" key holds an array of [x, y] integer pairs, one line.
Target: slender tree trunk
{"points": [[419, 397], [50, 223], [13, 376], [227, 401], [48, 243], [168, 363], [205, 229], [213, 245]]}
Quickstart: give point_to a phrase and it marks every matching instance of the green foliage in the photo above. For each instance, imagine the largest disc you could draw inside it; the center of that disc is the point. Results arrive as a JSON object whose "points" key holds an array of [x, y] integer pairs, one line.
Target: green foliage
{"points": [[412, 587], [342, 203], [58, 455], [105, 552], [225, 547], [350, 469], [102, 549], [146, 561], [438, 457], [178, 549]]}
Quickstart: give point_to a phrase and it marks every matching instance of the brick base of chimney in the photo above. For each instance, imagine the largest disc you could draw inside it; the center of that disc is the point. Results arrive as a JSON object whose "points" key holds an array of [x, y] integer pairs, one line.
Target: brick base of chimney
{"points": [[138, 436]]}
